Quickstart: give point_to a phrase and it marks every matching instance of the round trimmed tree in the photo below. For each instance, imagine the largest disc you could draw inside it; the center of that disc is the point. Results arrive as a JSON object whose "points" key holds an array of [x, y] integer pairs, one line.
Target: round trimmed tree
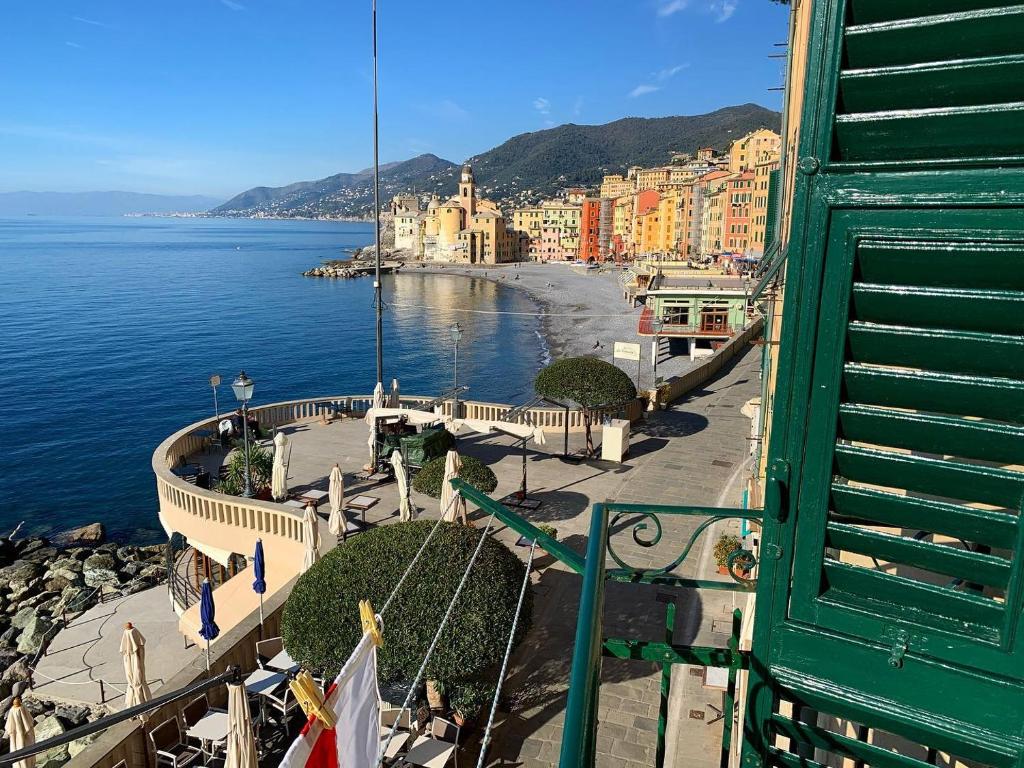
{"points": [[429, 479], [321, 628], [589, 383]]}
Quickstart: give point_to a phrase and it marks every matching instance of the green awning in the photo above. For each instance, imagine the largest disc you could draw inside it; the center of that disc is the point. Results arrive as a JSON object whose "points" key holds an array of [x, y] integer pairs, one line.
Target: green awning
{"points": [[774, 259]]}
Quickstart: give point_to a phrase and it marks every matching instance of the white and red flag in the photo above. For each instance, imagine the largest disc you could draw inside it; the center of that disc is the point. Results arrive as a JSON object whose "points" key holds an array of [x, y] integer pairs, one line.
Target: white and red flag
{"points": [[354, 742]]}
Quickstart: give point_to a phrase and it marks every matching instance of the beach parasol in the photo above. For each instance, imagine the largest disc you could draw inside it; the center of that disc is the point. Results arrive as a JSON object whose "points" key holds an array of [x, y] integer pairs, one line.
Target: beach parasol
{"points": [[404, 508], [207, 610], [310, 537], [21, 731], [336, 523], [449, 511], [241, 747], [133, 654], [259, 572], [279, 476]]}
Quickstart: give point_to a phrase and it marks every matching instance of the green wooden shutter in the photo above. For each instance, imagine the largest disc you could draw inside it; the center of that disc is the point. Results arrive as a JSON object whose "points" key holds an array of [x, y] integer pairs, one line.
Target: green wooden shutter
{"points": [[889, 606], [772, 210]]}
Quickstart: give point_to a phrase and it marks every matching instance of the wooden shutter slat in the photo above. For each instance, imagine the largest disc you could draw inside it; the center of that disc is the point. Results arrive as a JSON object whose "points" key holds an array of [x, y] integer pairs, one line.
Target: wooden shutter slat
{"points": [[959, 309], [838, 744], [871, 11], [783, 759], [967, 82], [938, 477], [987, 266], [939, 558], [981, 526], [926, 603], [961, 35], [985, 354], [933, 433], [985, 397], [985, 131]]}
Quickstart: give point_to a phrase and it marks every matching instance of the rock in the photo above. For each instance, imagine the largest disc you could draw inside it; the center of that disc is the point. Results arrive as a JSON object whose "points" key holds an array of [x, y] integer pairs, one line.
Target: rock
{"points": [[135, 586], [25, 546], [99, 560], [42, 556], [155, 574], [127, 554], [79, 553], [132, 568], [72, 714], [66, 564], [74, 599], [47, 728], [54, 758], [31, 637], [98, 577], [36, 600], [46, 607], [79, 745], [110, 548], [18, 672], [22, 589], [20, 570], [23, 617], [56, 584], [88, 535], [7, 657], [9, 638]]}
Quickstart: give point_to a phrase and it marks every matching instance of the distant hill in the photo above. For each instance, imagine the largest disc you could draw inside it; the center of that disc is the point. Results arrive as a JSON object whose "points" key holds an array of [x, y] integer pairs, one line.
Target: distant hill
{"points": [[344, 194], [524, 169], [99, 203]]}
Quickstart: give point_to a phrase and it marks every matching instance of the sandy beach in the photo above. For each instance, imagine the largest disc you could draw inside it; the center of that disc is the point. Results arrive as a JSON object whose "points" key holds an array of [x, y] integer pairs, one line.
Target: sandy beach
{"points": [[584, 312]]}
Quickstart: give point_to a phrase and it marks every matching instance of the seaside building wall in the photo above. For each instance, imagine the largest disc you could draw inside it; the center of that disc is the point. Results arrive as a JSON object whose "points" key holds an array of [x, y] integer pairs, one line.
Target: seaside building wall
{"points": [[590, 224]]}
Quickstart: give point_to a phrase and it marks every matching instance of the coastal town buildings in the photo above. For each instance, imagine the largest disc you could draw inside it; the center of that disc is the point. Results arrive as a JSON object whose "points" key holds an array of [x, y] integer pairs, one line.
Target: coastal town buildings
{"points": [[590, 228], [744, 153]]}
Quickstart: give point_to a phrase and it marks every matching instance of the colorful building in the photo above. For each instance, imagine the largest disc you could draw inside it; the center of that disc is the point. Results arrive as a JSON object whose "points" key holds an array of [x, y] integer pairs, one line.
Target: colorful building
{"points": [[737, 205], [744, 153], [763, 169], [616, 185], [590, 227], [705, 312]]}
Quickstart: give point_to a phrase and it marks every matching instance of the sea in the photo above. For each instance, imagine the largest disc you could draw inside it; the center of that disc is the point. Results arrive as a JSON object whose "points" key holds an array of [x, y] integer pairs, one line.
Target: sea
{"points": [[110, 329]]}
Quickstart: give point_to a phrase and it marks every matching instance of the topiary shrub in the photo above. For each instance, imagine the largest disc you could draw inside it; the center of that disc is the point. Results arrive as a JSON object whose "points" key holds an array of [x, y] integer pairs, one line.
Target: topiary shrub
{"points": [[428, 480], [725, 546], [588, 382], [321, 626]]}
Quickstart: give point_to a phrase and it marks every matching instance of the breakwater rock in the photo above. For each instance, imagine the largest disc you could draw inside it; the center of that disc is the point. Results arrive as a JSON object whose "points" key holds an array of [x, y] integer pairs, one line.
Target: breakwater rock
{"points": [[43, 584]]}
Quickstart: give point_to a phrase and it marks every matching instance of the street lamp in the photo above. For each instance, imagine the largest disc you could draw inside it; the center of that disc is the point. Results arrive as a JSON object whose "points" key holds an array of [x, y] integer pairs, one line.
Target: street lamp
{"points": [[657, 325], [456, 331], [243, 387]]}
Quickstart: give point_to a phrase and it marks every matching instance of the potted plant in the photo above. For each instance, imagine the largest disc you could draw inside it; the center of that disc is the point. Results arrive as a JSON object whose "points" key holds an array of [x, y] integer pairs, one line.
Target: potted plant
{"points": [[469, 699], [725, 546], [548, 530], [435, 694]]}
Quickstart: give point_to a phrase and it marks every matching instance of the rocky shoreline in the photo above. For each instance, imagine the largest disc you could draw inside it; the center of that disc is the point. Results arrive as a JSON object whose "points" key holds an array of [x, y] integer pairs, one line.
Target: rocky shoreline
{"points": [[45, 582]]}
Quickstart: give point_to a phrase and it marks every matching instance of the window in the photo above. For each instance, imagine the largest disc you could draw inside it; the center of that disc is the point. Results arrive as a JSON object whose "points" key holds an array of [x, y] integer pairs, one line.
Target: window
{"points": [[676, 315]]}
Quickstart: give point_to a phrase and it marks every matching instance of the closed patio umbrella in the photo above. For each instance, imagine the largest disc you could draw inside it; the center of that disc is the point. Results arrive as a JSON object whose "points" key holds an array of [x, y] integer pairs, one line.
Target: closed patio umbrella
{"points": [[241, 746], [21, 730], [404, 508], [394, 399], [378, 395], [336, 497], [259, 572], [457, 511], [133, 654], [279, 476], [208, 629], [310, 537]]}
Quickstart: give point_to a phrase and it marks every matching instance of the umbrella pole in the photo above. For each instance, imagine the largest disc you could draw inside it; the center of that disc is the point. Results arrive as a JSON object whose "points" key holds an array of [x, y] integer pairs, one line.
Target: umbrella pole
{"points": [[261, 614], [207, 655]]}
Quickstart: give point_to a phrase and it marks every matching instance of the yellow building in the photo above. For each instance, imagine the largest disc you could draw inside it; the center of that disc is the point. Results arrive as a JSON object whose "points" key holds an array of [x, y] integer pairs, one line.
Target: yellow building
{"points": [[768, 162], [616, 186], [713, 194], [565, 218], [744, 153], [622, 226], [530, 221]]}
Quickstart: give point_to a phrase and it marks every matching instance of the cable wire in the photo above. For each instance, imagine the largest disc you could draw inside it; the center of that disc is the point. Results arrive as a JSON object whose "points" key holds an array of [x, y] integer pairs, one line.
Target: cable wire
{"points": [[485, 742]]}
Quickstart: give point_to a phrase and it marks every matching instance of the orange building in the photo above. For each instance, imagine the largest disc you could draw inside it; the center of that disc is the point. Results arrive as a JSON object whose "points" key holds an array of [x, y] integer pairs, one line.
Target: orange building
{"points": [[590, 226], [736, 226]]}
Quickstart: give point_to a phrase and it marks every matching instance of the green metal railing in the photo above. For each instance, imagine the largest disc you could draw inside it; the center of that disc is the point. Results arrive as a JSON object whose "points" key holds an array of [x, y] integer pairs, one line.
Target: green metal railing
{"points": [[591, 646]]}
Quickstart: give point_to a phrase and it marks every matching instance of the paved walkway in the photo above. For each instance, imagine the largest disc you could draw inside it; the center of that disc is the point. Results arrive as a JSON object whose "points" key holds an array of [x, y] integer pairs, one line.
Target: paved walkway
{"points": [[89, 650], [695, 453]]}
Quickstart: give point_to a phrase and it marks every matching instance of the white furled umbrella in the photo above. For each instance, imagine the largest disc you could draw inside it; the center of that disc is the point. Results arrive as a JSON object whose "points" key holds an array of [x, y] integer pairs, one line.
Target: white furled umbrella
{"points": [[394, 399], [336, 497], [21, 730], [279, 476], [241, 746], [378, 395], [133, 654], [457, 511], [310, 537], [404, 509]]}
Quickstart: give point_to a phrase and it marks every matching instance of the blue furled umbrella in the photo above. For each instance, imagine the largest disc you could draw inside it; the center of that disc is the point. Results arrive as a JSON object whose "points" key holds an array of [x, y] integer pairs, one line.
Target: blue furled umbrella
{"points": [[209, 629], [259, 584]]}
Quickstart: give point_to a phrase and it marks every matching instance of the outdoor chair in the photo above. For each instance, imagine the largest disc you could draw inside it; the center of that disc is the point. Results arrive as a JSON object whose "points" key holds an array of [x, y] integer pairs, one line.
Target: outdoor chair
{"points": [[169, 746], [435, 750], [282, 703], [388, 717], [268, 649], [195, 711]]}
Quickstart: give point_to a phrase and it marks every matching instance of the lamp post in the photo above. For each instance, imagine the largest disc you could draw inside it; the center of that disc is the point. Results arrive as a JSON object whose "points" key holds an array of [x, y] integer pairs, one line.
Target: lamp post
{"points": [[243, 387], [657, 325], [456, 331]]}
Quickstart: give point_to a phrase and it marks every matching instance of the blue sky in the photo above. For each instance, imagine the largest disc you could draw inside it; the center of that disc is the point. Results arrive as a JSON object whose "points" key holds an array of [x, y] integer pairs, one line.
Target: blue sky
{"points": [[215, 96]]}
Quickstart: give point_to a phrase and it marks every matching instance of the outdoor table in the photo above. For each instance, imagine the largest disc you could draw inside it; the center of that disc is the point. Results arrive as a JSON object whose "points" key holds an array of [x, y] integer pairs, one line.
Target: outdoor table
{"points": [[361, 503], [187, 470], [211, 729], [295, 503], [263, 681], [430, 753], [314, 496], [283, 662]]}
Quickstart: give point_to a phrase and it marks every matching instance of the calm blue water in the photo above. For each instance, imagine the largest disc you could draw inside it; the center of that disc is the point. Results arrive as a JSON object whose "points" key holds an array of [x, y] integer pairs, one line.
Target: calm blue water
{"points": [[111, 328]]}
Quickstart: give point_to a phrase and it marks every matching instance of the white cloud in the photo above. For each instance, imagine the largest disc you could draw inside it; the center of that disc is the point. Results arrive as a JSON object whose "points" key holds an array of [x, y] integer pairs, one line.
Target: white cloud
{"points": [[542, 105], [664, 74], [723, 9], [69, 44], [643, 89], [232, 5], [577, 106], [92, 22], [671, 7]]}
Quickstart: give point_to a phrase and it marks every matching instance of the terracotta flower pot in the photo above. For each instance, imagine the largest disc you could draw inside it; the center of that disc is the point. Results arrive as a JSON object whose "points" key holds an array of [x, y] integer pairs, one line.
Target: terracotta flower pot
{"points": [[434, 697]]}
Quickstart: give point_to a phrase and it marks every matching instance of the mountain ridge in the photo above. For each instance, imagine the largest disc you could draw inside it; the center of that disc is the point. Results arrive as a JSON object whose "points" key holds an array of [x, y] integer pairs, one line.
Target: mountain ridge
{"points": [[100, 203], [521, 170]]}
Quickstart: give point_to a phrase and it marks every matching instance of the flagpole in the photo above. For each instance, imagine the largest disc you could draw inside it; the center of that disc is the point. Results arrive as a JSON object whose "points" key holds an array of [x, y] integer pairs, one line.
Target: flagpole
{"points": [[377, 299]]}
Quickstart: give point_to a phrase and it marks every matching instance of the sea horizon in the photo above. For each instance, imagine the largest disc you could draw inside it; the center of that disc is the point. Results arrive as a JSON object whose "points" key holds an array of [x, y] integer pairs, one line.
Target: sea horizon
{"points": [[113, 326]]}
